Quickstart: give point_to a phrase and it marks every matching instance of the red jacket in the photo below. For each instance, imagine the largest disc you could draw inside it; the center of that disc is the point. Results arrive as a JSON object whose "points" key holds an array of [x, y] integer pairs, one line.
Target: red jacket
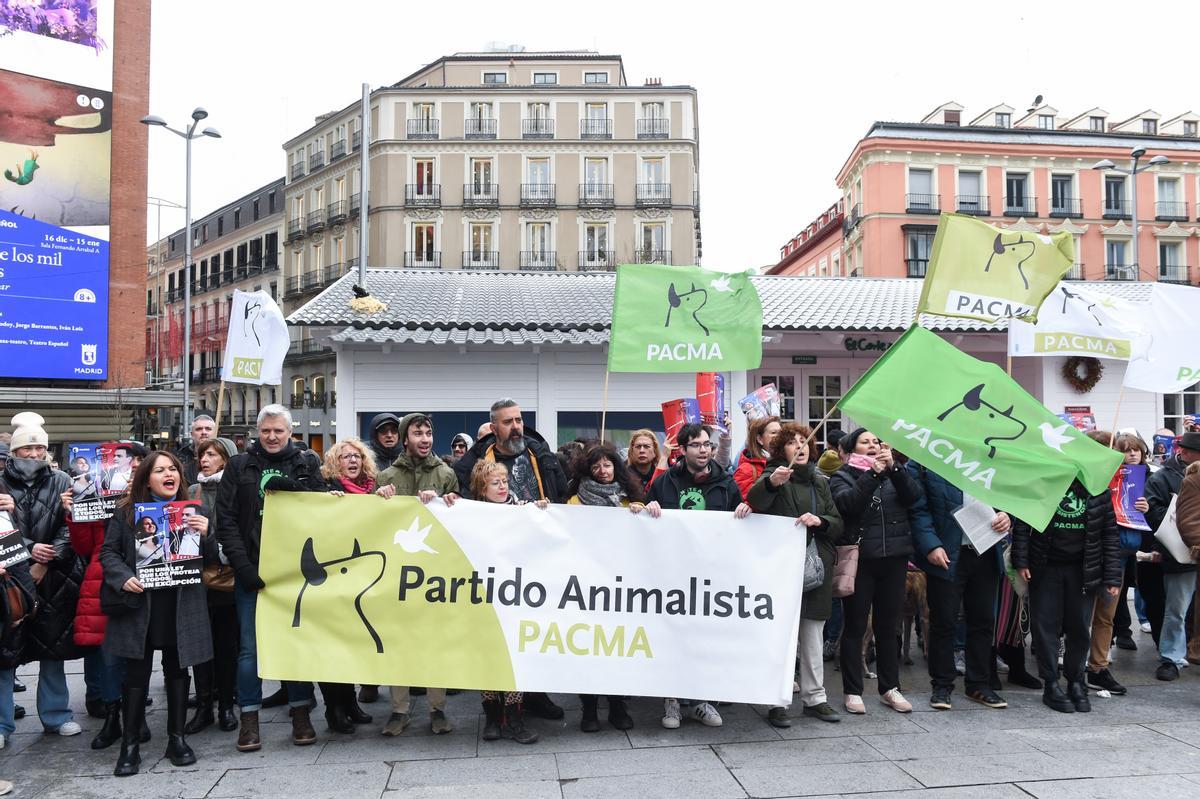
{"points": [[90, 621], [748, 470]]}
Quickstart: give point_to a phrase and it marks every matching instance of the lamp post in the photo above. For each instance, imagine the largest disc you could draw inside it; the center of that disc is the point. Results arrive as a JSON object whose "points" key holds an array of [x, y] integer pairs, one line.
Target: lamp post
{"points": [[1133, 171], [198, 114]]}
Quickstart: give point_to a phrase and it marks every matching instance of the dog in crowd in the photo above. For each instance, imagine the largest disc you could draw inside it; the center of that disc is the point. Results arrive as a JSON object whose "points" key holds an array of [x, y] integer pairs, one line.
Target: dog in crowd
{"points": [[916, 613]]}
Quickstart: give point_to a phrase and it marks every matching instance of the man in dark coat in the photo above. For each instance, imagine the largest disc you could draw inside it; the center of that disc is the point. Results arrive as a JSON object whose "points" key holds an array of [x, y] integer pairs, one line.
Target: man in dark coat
{"points": [[203, 428], [533, 469], [385, 440], [273, 463]]}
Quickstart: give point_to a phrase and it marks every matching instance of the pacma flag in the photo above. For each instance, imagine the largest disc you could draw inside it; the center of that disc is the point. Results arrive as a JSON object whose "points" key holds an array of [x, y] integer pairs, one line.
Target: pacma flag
{"points": [[983, 272], [257, 341], [1170, 362], [684, 319], [1075, 320], [976, 427]]}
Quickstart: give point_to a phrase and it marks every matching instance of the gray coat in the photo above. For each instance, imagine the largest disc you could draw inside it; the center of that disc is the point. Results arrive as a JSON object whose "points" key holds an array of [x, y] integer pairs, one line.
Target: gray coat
{"points": [[126, 633]]}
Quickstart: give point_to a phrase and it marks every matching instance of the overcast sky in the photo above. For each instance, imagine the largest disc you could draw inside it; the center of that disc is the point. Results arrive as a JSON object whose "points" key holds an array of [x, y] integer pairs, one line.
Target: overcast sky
{"points": [[785, 89]]}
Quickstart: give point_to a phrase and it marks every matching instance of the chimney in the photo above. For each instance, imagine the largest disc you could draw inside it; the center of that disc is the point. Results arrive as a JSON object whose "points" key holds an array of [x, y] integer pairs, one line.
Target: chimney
{"points": [[654, 81]]}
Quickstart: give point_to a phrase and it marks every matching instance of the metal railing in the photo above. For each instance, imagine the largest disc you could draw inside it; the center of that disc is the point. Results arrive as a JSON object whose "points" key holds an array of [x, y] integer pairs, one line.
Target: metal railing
{"points": [[1066, 208], [1022, 206], [597, 261], [1119, 272], [653, 194], [174, 295], [355, 203], [337, 150], [539, 260], [316, 220], [356, 140], [296, 401], [595, 128], [537, 194], [336, 211], [653, 128], [476, 194], [916, 266], [1170, 211], [331, 273], [210, 374], [425, 259], [318, 399], [645, 256], [1116, 209], [297, 170], [295, 229], [316, 161], [855, 215], [479, 128], [976, 204], [537, 128], [1074, 273], [427, 194], [595, 195], [1173, 273], [480, 259], [922, 204], [423, 128]]}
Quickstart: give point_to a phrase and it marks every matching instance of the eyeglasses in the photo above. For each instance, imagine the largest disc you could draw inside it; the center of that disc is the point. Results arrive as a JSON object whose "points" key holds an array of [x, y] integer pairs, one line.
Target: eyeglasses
{"points": [[700, 445], [351, 456]]}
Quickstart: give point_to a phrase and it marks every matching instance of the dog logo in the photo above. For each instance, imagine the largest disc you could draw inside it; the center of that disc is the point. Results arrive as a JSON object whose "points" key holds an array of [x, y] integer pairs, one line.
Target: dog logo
{"points": [[1000, 425], [359, 570], [251, 313], [692, 300], [1014, 253]]}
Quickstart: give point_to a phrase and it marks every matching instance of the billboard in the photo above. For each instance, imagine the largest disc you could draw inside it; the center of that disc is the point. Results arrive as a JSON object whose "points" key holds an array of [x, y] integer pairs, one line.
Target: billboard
{"points": [[56, 77]]}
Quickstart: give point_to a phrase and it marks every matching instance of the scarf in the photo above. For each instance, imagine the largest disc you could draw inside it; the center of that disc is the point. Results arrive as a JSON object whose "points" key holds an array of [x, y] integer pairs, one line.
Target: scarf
{"points": [[354, 487], [593, 493], [212, 479]]}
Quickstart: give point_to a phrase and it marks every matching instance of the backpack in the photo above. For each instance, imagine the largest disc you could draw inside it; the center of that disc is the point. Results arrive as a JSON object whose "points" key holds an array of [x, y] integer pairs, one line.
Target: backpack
{"points": [[17, 606]]}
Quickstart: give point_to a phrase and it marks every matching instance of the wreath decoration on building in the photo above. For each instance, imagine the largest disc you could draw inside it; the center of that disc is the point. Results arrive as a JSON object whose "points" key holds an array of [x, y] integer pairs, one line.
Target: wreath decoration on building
{"points": [[1085, 380]]}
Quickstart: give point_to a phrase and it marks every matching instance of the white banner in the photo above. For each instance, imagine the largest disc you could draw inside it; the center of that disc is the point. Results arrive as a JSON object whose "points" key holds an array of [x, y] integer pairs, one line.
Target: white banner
{"points": [[257, 341], [1075, 320], [1171, 361], [571, 599]]}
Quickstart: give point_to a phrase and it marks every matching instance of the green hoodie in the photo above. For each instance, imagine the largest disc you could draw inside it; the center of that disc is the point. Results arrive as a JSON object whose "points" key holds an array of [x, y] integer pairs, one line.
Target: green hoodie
{"points": [[411, 475]]}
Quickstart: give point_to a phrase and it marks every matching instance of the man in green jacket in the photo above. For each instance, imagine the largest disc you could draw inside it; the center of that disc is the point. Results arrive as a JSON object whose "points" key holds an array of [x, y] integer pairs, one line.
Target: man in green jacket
{"points": [[418, 472]]}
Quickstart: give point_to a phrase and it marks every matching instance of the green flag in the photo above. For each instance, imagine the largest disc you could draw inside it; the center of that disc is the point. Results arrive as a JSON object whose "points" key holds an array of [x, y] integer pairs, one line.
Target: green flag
{"points": [[975, 426], [983, 272], [684, 319]]}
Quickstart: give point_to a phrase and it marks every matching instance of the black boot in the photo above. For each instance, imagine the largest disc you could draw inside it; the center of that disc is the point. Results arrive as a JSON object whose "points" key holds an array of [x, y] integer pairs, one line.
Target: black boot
{"points": [[541, 705], [226, 719], [110, 733], [226, 691], [618, 716], [590, 722], [514, 725], [1077, 692], [335, 712], [493, 713], [1014, 657], [203, 717], [350, 702], [133, 708], [178, 751], [1054, 698]]}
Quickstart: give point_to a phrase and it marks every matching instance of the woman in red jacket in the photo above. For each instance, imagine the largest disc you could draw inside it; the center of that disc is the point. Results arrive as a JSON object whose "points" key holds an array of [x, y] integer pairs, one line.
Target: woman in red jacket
{"points": [[754, 457]]}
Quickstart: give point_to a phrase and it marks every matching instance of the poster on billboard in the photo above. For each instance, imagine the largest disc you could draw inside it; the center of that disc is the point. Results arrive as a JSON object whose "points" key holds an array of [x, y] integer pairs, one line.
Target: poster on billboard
{"points": [[56, 73]]}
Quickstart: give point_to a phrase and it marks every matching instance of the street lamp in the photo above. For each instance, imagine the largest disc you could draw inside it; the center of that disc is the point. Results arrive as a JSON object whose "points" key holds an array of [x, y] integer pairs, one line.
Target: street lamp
{"points": [[188, 135], [1135, 155]]}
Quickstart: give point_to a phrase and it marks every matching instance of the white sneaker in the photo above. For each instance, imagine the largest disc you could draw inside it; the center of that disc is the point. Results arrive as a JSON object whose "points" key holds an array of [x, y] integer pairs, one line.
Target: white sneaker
{"points": [[854, 704], [1145, 626], [670, 718], [960, 661], [1001, 666], [69, 729], [707, 715], [3, 741], [896, 701]]}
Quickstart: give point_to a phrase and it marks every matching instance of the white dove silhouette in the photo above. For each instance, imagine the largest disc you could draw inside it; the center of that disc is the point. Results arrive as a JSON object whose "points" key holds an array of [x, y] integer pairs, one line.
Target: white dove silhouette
{"points": [[413, 539], [1055, 437], [721, 284]]}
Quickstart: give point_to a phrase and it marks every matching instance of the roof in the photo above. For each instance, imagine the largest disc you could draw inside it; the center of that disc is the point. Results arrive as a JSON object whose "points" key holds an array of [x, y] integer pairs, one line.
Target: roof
{"points": [[470, 307]]}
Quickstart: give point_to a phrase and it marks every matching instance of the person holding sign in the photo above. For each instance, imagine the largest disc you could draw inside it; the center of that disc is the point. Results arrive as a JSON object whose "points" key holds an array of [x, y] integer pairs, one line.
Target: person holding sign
{"points": [[173, 620], [754, 457]]}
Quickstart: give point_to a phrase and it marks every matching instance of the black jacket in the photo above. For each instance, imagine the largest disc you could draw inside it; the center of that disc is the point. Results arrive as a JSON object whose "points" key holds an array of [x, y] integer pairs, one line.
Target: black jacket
{"points": [[875, 507], [554, 480], [678, 490], [240, 499], [39, 515], [1159, 488], [187, 458], [1101, 544]]}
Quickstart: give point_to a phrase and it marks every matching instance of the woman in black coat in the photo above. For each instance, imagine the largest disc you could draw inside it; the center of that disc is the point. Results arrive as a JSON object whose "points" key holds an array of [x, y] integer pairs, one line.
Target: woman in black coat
{"points": [[873, 494], [173, 619]]}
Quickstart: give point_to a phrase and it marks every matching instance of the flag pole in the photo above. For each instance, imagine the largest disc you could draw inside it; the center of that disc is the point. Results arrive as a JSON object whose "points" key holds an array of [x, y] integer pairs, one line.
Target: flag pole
{"points": [[220, 404], [817, 429], [1112, 441], [604, 406]]}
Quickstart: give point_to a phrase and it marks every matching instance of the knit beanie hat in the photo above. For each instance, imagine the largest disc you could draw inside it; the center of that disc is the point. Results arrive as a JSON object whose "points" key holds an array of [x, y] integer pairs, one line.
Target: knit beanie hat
{"points": [[228, 448], [850, 440], [28, 430], [829, 462]]}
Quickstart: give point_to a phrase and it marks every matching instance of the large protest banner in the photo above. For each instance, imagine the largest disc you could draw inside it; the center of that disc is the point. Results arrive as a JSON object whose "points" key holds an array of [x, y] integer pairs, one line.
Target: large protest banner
{"points": [[504, 597]]}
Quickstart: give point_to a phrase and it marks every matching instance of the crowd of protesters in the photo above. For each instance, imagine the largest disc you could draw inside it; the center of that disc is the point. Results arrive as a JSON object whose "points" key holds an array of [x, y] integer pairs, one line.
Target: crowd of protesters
{"points": [[856, 500]]}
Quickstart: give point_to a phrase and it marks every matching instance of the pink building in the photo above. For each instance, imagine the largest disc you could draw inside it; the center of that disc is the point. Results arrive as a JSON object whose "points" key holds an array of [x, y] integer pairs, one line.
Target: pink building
{"points": [[1031, 172]]}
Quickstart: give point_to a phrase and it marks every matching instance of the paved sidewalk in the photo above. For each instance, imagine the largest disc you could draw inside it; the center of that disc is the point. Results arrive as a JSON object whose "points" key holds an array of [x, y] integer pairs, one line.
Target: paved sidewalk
{"points": [[1145, 745]]}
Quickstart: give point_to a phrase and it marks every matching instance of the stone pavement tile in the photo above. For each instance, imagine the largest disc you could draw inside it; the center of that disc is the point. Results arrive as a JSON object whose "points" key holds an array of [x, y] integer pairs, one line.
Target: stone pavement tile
{"points": [[872, 723], [1167, 759], [177, 784], [796, 753], [1114, 736], [558, 736], [1001, 791], [938, 772], [1192, 777], [708, 783], [814, 780], [20, 741], [1165, 786], [1186, 731], [543, 789], [218, 750], [741, 724], [663, 760], [473, 771], [943, 744], [369, 746], [311, 782], [42, 761]]}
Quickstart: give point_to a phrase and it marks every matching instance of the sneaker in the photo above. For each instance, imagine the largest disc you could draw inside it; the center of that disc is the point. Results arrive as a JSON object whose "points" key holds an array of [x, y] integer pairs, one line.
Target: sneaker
{"points": [[1062, 649], [854, 705], [896, 701], [829, 650], [670, 719], [1167, 671], [396, 724], [960, 661], [869, 675], [940, 699], [1125, 642], [778, 717], [1001, 666], [707, 715], [1145, 626], [988, 698], [3, 741], [823, 711], [1103, 679], [438, 723], [68, 729]]}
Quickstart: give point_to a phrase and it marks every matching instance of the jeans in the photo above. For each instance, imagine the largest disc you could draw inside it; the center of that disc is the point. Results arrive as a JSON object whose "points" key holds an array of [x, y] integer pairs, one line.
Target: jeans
{"points": [[1139, 604], [833, 627], [878, 593], [7, 722], [103, 675], [249, 685], [973, 587], [1057, 603], [1172, 645]]}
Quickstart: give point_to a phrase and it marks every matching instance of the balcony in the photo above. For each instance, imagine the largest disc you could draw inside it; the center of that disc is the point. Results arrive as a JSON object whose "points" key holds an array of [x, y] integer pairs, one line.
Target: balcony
{"points": [[423, 128], [356, 140], [1173, 273], [595, 128], [596, 195], [425, 259], [537, 128], [973, 204], [297, 170], [477, 195], [174, 295], [331, 273], [653, 194], [922, 204], [479, 128], [355, 203], [316, 161], [318, 399], [209, 374], [1120, 272], [1022, 206], [539, 261], [853, 218], [1066, 208], [1074, 273], [597, 261], [480, 259], [646, 256], [337, 150], [916, 266], [537, 195], [316, 220], [654, 128], [422, 195], [336, 212], [297, 400], [1116, 209], [295, 229], [1170, 211]]}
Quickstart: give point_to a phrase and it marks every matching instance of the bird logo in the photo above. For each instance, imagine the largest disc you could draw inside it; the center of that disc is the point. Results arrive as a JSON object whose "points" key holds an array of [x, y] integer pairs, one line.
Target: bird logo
{"points": [[1055, 437], [412, 540], [721, 284]]}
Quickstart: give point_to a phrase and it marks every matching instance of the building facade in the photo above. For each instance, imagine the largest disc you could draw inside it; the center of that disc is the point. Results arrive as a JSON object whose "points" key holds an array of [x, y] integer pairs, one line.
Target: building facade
{"points": [[1031, 172]]}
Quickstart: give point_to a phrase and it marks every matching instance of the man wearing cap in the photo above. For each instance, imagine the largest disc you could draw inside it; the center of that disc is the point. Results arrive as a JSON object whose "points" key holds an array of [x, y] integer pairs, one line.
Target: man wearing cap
{"points": [[1179, 579], [385, 439]]}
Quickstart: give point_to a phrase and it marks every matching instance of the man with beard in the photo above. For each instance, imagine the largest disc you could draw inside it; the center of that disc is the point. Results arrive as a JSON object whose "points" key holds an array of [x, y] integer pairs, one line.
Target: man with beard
{"points": [[203, 428], [385, 439]]}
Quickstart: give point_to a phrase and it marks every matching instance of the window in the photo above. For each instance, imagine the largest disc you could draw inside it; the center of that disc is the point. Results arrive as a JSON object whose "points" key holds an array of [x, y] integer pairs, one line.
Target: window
{"points": [[824, 393], [1177, 406], [652, 111], [482, 253], [495, 77], [481, 176], [653, 174], [1114, 194], [918, 246], [1062, 192], [595, 77], [1150, 126], [237, 219], [595, 244], [298, 392], [539, 171], [538, 246], [920, 190], [786, 386], [545, 78], [1046, 121], [1168, 190], [270, 203], [1189, 128], [654, 243], [1015, 184], [423, 176], [1096, 124], [1114, 253], [539, 110], [317, 261], [423, 248], [220, 226], [970, 192], [298, 209], [204, 232], [1003, 120], [1169, 255], [595, 176]]}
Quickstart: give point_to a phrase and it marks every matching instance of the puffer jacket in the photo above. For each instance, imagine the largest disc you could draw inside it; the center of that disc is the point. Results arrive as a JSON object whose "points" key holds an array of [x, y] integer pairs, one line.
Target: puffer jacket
{"points": [[90, 621], [874, 506], [410, 475], [933, 523], [36, 489], [1101, 543], [1159, 488], [748, 470]]}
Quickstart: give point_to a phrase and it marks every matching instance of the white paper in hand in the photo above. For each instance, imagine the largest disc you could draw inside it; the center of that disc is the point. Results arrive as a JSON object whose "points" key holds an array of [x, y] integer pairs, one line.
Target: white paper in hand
{"points": [[975, 518], [1168, 535]]}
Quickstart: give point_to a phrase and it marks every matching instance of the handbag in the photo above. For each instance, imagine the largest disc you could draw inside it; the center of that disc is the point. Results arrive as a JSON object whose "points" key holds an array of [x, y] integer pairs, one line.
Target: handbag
{"points": [[845, 570], [217, 576], [1167, 534], [814, 568]]}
